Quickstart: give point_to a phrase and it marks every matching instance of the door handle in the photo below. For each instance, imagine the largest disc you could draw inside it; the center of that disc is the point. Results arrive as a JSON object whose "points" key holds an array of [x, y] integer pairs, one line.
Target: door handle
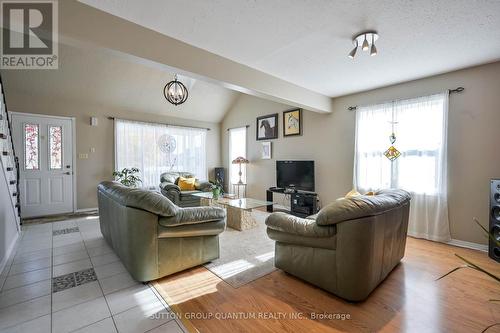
{"points": [[68, 173]]}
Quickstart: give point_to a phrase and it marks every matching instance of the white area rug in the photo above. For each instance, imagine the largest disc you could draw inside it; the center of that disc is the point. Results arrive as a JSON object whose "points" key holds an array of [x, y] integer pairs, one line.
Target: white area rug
{"points": [[244, 255]]}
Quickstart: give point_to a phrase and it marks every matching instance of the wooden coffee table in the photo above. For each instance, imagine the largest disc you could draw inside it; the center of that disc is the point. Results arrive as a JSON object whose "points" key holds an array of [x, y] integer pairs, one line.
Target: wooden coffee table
{"points": [[239, 211]]}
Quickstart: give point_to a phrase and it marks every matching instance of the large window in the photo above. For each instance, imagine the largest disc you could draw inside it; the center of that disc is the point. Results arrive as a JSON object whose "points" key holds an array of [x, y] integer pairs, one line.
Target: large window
{"points": [[237, 148], [157, 148], [420, 126]]}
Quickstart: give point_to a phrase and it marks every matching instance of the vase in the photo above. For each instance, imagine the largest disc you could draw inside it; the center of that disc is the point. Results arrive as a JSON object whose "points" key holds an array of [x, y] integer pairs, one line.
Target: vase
{"points": [[215, 193]]}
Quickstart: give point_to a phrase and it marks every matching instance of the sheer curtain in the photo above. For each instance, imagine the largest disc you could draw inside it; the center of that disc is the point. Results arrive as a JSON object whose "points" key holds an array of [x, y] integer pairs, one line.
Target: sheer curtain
{"points": [[237, 147], [420, 125], [157, 148]]}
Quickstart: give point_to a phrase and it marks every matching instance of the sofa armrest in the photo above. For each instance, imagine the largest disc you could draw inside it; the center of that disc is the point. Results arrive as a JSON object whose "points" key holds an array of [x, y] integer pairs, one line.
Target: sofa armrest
{"points": [[194, 215], [166, 186], [294, 225], [203, 186]]}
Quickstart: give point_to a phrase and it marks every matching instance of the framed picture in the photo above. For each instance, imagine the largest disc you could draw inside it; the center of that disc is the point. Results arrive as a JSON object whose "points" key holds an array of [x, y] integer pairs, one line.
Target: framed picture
{"points": [[266, 150], [292, 122], [267, 127]]}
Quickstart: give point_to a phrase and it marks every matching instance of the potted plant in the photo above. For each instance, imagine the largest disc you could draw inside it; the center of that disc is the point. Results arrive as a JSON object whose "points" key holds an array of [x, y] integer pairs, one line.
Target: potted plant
{"points": [[469, 264], [217, 189], [128, 177]]}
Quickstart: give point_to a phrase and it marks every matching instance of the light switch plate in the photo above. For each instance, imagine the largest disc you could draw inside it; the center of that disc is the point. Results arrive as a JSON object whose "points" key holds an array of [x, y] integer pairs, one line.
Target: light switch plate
{"points": [[83, 156]]}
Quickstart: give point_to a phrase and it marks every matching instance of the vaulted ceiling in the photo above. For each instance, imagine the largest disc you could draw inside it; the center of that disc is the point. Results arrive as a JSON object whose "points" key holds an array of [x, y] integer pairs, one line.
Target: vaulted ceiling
{"points": [[93, 76], [306, 42]]}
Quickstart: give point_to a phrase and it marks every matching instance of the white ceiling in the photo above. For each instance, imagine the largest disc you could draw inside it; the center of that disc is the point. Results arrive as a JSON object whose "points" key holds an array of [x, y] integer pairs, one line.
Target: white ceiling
{"points": [[306, 42], [93, 76]]}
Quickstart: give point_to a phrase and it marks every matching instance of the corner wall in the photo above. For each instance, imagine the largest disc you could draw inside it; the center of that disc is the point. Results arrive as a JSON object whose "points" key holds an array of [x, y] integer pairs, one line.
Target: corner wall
{"points": [[473, 137]]}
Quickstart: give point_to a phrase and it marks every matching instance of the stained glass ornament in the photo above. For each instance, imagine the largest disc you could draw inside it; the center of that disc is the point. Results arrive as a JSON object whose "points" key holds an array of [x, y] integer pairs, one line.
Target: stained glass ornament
{"points": [[392, 153]]}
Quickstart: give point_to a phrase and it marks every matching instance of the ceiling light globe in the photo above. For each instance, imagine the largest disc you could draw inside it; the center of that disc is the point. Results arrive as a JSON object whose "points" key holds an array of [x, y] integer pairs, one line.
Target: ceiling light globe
{"points": [[175, 92], [373, 50]]}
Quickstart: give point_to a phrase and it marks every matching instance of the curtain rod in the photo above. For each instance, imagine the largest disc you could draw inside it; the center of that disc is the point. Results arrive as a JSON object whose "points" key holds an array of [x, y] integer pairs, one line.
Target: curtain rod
{"points": [[450, 91], [171, 125], [246, 126]]}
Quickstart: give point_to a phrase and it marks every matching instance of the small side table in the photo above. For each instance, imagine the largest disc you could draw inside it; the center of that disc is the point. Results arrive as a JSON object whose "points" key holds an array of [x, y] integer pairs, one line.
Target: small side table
{"points": [[240, 188]]}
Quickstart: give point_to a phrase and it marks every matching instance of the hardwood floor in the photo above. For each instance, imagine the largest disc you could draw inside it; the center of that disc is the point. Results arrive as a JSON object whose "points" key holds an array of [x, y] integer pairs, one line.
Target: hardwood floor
{"points": [[409, 300]]}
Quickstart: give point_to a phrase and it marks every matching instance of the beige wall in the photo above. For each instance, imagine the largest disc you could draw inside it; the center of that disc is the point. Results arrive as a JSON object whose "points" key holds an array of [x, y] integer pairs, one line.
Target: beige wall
{"points": [[99, 165], [474, 118]]}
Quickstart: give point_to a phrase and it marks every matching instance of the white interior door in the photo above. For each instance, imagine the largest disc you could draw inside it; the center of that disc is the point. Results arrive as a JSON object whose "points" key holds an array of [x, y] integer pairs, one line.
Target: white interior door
{"points": [[44, 145]]}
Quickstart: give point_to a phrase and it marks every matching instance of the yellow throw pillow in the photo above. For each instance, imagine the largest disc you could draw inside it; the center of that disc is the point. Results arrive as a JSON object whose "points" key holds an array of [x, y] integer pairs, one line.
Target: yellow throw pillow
{"points": [[186, 184], [370, 193], [352, 193]]}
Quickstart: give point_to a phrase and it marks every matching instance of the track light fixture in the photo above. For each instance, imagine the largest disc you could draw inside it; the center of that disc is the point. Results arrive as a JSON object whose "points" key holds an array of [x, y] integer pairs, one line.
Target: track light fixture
{"points": [[367, 41], [353, 52]]}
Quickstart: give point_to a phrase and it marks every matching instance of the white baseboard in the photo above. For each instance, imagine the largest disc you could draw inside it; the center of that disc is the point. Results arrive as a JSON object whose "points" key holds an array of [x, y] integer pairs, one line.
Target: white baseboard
{"points": [[468, 245], [11, 248], [84, 210]]}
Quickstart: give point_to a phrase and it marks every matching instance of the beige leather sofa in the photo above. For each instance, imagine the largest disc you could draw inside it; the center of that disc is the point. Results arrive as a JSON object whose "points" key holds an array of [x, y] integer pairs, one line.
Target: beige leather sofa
{"points": [[349, 247], [152, 236]]}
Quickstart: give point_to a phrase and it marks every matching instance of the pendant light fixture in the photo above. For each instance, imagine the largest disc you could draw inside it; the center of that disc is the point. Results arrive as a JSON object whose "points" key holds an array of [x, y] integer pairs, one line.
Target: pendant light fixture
{"points": [[367, 41], [175, 92]]}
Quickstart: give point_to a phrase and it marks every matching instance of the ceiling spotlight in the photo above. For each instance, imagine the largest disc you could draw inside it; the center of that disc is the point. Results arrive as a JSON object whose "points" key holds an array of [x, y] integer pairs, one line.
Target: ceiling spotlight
{"points": [[367, 41], [373, 50], [353, 52], [365, 44]]}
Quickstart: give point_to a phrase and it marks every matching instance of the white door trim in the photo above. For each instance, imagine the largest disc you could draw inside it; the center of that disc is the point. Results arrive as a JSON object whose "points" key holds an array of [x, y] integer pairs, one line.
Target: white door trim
{"points": [[73, 138]]}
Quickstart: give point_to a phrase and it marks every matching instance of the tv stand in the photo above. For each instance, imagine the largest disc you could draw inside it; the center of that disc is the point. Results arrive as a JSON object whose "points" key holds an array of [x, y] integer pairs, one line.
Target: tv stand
{"points": [[302, 203]]}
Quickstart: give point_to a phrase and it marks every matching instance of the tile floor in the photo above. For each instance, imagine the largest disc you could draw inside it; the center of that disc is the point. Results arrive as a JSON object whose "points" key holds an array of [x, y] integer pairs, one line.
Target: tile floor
{"points": [[63, 277]]}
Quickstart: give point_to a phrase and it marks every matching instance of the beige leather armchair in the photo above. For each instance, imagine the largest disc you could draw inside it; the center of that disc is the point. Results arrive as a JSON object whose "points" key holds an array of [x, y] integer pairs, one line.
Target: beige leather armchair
{"points": [[152, 236], [349, 247]]}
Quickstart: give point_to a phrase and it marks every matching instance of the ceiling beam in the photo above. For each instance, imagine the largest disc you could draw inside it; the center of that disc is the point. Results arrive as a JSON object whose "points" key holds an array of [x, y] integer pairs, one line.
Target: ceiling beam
{"points": [[80, 23]]}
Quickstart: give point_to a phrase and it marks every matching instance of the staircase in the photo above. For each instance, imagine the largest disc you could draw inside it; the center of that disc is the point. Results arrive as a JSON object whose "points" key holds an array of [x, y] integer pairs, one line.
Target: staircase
{"points": [[9, 162]]}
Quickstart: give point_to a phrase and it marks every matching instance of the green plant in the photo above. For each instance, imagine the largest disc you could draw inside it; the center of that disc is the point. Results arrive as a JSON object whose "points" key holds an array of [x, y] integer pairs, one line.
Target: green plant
{"points": [[217, 189], [470, 264], [128, 177]]}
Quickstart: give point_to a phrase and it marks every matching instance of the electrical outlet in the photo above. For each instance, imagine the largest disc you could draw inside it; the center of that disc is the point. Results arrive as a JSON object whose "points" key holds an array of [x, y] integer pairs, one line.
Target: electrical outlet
{"points": [[92, 150], [83, 156]]}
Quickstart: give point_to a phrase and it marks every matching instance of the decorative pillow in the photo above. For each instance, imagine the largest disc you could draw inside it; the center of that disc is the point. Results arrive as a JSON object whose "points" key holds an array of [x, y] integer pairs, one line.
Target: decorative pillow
{"points": [[352, 193], [186, 184], [370, 193]]}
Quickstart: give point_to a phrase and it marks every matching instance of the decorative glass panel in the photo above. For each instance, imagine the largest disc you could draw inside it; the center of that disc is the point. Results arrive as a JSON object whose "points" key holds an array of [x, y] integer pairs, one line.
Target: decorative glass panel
{"points": [[55, 147], [31, 147]]}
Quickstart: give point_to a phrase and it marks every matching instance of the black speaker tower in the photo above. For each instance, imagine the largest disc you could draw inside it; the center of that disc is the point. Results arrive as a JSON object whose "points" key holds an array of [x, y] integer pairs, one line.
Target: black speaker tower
{"points": [[494, 248], [219, 176]]}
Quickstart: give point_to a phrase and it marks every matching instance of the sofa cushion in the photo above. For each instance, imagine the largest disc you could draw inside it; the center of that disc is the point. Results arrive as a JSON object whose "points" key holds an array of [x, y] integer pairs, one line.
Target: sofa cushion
{"points": [[192, 230], [173, 176], [186, 184], [345, 209], [194, 215], [149, 201], [290, 224]]}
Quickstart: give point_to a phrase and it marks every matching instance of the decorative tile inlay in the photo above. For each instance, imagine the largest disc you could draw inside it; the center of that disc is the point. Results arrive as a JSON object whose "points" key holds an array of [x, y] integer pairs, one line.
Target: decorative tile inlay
{"points": [[63, 282], [65, 231], [85, 276], [66, 281]]}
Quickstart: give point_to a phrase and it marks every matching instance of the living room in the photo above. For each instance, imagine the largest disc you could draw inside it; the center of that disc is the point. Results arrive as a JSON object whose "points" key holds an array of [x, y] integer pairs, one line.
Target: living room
{"points": [[350, 149]]}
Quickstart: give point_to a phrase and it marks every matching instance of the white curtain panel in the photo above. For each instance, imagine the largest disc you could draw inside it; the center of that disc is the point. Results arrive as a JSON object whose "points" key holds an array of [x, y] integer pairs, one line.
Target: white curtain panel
{"points": [[237, 147], [137, 144], [420, 125]]}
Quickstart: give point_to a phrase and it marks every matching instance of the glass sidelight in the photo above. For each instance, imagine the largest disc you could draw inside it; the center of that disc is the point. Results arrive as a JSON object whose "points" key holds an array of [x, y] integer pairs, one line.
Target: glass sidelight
{"points": [[55, 147], [31, 147]]}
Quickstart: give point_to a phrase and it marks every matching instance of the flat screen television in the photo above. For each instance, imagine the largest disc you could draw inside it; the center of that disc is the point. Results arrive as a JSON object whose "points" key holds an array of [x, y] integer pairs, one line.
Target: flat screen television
{"points": [[299, 174]]}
